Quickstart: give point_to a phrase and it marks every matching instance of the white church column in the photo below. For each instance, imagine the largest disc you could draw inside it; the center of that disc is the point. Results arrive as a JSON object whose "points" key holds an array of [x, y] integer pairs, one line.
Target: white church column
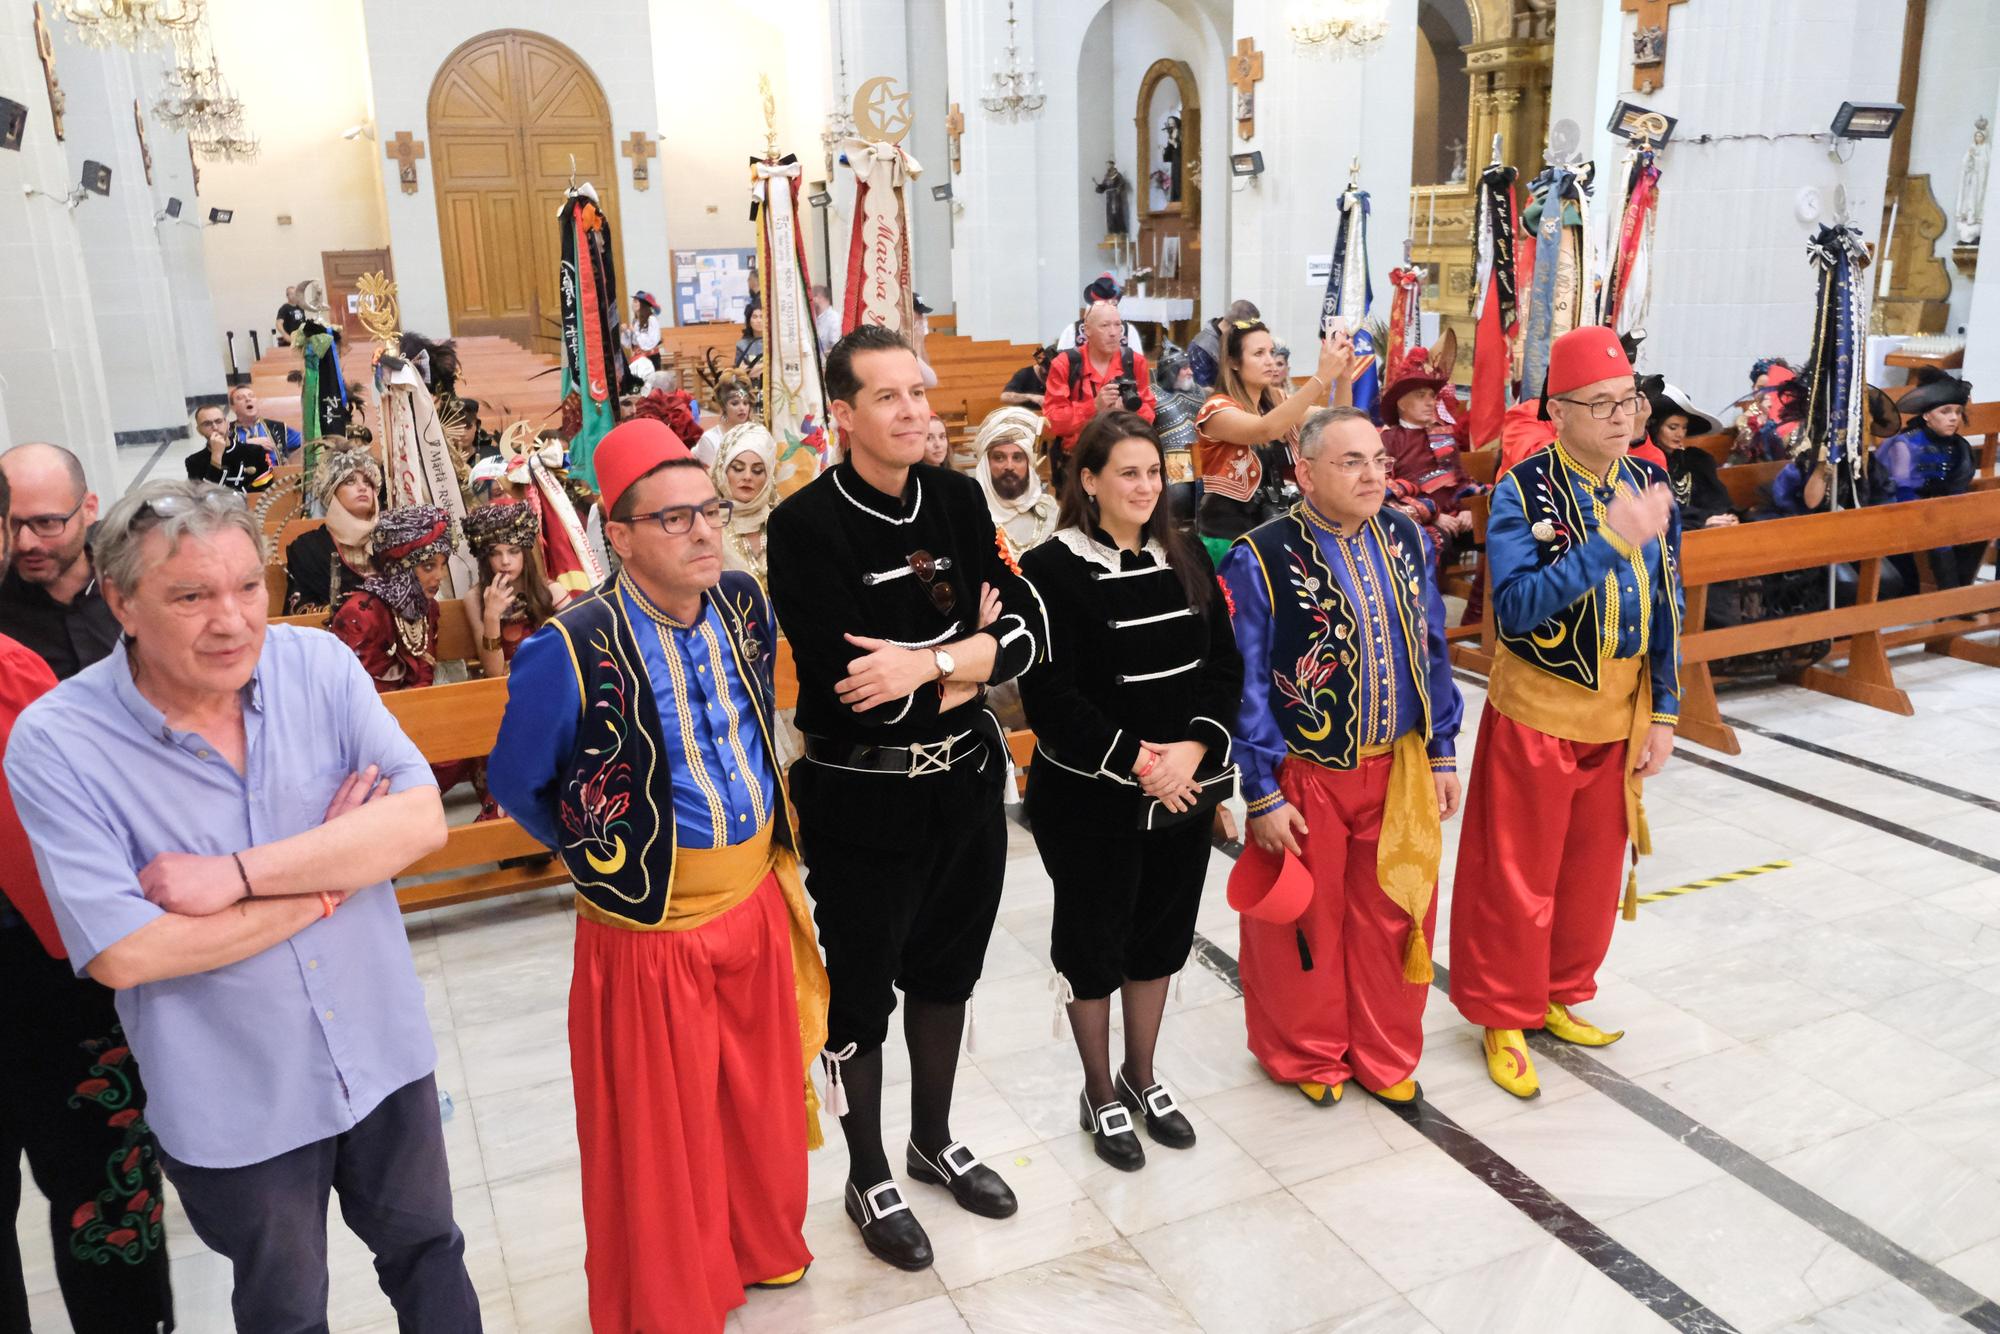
{"points": [[51, 382], [1982, 330], [1314, 116], [1000, 251], [1730, 278], [197, 336], [138, 342]]}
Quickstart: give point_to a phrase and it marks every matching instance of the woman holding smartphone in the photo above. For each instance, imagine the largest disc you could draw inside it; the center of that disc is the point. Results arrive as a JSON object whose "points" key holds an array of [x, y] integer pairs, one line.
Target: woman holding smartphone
{"points": [[1132, 757]]}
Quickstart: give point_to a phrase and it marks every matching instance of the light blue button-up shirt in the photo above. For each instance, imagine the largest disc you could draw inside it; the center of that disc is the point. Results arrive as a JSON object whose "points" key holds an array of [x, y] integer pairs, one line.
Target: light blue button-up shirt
{"points": [[283, 1048]]}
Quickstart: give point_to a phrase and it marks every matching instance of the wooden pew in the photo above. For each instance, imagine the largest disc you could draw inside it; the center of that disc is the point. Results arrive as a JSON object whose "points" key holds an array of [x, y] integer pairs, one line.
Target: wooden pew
{"points": [[455, 639], [1870, 627], [459, 722]]}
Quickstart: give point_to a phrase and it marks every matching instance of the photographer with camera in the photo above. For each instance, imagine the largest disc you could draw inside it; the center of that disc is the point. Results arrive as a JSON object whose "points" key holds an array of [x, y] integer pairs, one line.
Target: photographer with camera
{"points": [[1103, 375]]}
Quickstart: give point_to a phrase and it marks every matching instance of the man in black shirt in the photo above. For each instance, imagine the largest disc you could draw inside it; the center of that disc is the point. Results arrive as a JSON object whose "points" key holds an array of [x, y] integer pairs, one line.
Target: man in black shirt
{"points": [[236, 464], [290, 315], [890, 585], [49, 599], [1030, 384]]}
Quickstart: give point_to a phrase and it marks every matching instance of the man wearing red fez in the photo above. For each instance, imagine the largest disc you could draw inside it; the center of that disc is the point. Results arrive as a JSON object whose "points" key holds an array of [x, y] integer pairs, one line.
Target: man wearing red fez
{"points": [[1347, 735], [1581, 705], [638, 744]]}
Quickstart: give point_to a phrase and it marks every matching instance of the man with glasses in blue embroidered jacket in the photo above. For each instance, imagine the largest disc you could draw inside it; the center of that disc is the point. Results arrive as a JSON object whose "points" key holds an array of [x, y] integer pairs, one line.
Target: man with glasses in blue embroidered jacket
{"points": [[1584, 546]]}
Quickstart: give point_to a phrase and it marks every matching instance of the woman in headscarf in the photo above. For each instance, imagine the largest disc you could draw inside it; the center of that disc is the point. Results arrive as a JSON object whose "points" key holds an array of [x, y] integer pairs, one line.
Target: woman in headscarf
{"points": [[514, 597], [746, 477], [391, 621], [324, 565]]}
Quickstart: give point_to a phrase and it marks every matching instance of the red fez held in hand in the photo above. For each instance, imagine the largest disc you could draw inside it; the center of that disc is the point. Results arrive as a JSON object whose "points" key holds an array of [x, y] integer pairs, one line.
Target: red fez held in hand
{"points": [[1270, 886], [629, 451], [1583, 357]]}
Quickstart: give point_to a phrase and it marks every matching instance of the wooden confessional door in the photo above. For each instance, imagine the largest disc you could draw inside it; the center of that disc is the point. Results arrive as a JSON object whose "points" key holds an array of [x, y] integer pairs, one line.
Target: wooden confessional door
{"points": [[509, 111]]}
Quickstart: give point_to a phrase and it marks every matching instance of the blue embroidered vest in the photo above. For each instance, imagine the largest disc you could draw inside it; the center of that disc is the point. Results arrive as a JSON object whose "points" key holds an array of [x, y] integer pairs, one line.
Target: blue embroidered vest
{"points": [[615, 805], [1569, 643], [1313, 653]]}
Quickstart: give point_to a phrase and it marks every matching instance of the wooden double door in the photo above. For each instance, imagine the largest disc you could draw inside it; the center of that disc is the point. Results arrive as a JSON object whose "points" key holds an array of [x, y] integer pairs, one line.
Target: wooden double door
{"points": [[515, 117]]}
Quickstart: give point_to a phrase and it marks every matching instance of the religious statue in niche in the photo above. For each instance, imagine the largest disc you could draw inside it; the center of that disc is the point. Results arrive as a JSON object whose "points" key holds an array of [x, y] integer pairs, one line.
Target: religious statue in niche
{"points": [[1168, 178], [1457, 150], [1971, 212], [1649, 45], [1112, 185]]}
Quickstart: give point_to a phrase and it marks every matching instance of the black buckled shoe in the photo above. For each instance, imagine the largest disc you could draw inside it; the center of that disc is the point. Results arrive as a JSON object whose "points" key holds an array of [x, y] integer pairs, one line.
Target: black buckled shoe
{"points": [[1111, 1133], [1165, 1121], [977, 1187], [888, 1228]]}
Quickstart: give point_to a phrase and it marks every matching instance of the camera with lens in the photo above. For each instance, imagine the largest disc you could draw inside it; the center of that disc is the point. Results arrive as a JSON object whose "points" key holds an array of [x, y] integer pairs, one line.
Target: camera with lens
{"points": [[1128, 393]]}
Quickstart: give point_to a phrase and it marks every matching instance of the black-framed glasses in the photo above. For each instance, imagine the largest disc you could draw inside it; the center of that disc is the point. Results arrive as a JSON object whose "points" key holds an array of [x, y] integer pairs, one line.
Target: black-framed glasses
{"points": [[678, 520], [1605, 409], [927, 568], [44, 525]]}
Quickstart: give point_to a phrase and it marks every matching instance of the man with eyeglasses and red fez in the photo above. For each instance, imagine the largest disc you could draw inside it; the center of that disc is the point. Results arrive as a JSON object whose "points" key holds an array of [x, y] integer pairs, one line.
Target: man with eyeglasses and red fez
{"points": [[638, 744], [895, 593], [1581, 706]]}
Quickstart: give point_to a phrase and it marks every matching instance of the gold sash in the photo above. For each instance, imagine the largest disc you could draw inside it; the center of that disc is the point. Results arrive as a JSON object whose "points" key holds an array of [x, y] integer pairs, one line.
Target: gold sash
{"points": [[1412, 842], [708, 882]]}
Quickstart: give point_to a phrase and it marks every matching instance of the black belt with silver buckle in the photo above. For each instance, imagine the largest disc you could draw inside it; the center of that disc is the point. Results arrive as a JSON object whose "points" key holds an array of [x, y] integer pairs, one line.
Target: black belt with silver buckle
{"points": [[912, 761]]}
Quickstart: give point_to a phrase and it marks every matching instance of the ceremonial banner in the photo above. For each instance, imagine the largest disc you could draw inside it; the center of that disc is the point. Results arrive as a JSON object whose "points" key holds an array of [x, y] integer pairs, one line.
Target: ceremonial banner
{"points": [[1562, 286], [419, 465], [593, 362], [1628, 278], [571, 561], [794, 392], [878, 259], [323, 402], [1836, 375], [1350, 292], [1406, 313], [1492, 348]]}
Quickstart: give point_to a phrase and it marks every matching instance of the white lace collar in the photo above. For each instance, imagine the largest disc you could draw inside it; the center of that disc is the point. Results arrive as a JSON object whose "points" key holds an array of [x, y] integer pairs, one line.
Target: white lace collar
{"points": [[1097, 553]]}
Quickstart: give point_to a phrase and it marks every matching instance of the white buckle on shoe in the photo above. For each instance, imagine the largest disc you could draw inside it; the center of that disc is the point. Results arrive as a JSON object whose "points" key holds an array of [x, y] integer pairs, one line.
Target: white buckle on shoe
{"points": [[871, 1201], [966, 1161], [1160, 1102], [930, 757], [1113, 1119]]}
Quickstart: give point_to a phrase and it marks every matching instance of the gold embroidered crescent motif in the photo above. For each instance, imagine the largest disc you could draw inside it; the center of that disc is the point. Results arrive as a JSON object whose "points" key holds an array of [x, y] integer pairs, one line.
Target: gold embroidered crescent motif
{"points": [[1551, 642], [614, 864]]}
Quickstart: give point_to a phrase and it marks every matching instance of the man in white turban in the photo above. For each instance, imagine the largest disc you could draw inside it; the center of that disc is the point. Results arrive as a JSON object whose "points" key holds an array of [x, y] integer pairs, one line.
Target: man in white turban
{"points": [[1022, 508]]}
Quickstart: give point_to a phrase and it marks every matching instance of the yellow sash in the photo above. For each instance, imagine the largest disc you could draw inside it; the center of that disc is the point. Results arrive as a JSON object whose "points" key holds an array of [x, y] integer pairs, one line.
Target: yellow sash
{"points": [[1412, 842], [708, 882]]}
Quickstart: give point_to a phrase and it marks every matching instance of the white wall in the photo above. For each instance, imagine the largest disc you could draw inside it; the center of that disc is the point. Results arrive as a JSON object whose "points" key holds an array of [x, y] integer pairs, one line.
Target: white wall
{"points": [[1956, 84], [1730, 279], [406, 46], [302, 72], [1314, 115], [51, 382]]}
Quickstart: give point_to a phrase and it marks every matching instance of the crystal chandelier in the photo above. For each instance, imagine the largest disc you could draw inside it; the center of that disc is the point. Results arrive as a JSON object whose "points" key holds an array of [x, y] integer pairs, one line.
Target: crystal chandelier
{"points": [[133, 24], [1337, 27], [197, 100], [1012, 91], [229, 144], [840, 125]]}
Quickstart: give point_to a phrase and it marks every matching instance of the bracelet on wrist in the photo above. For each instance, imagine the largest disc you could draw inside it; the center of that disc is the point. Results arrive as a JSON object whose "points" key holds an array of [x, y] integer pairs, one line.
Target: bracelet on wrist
{"points": [[243, 875]]}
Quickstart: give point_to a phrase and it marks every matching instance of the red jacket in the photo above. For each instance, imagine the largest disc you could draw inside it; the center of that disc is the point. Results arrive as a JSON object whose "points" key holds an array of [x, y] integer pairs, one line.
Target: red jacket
{"points": [[24, 678], [1069, 408]]}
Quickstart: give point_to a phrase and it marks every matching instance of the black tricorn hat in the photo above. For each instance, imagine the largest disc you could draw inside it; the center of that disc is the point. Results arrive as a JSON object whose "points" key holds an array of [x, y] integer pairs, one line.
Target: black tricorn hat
{"points": [[1934, 389]]}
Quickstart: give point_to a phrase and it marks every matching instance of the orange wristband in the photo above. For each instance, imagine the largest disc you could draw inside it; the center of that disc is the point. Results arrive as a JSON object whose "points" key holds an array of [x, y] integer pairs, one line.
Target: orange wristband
{"points": [[329, 902]]}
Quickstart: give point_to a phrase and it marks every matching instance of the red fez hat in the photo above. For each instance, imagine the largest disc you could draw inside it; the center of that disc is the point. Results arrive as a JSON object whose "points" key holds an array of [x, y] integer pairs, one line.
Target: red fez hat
{"points": [[1585, 356], [629, 451], [1270, 886]]}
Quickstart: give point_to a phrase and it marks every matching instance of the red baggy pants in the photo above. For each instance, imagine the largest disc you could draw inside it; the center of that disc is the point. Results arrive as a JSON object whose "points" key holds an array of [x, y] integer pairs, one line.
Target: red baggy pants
{"points": [[690, 1115], [1350, 1013], [1536, 891]]}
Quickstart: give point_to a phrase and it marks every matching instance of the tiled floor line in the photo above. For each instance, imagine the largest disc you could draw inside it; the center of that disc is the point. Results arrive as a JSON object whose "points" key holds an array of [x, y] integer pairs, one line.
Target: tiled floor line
{"points": [[1872, 766]]}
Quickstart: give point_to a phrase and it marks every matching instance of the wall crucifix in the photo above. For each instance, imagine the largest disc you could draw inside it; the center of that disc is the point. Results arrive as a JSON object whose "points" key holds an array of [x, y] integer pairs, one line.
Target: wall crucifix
{"points": [[1649, 41], [405, 151], [638, 148], [1246, 68]]}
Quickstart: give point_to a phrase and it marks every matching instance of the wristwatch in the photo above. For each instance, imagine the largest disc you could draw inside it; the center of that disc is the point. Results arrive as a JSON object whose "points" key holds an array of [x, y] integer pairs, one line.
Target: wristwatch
{"points": [[945, 665]]}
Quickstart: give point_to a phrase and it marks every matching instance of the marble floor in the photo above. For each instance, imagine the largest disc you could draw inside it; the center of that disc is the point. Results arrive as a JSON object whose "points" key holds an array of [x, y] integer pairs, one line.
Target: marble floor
{"points": [[1800, 1132]]}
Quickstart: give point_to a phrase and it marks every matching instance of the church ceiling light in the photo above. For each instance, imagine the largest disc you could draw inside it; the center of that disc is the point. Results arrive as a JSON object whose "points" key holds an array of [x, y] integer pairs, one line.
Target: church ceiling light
{"points": [[1337, 27], [133, 24], [1011, 91]]}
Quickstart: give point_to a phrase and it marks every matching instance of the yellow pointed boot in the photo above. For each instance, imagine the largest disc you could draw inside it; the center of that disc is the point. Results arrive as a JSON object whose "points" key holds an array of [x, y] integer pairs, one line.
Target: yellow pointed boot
{"points": [[1400, 1094], [1508, 1063], [1561, 1023], [1322, 1095]]}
